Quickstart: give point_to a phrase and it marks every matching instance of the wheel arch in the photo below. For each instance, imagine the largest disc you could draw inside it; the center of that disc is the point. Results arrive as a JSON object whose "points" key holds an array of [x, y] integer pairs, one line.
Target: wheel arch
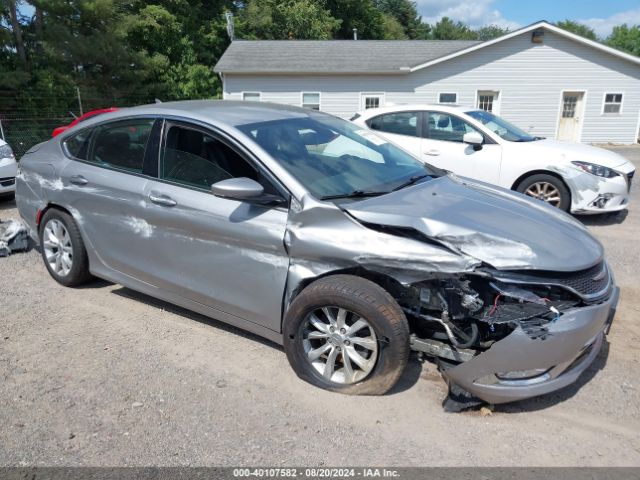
{"points": [[51, 206], [530, 173], [68, 211], [386, 282]]}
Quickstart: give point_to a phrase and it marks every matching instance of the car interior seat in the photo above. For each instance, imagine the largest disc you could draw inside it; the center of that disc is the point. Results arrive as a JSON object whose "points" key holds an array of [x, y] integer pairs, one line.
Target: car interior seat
{"points": [[114, 148]]}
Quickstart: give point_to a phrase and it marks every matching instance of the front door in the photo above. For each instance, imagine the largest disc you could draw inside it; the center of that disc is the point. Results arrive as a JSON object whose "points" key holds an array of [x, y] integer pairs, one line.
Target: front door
{"points": [[223, 253], [570, 116], [444, 148]]}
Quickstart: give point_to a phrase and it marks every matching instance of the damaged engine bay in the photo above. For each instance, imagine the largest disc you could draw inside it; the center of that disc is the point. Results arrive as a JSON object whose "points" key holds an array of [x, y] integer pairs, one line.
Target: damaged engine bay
{"points": [[454, 318], [470, 312]]}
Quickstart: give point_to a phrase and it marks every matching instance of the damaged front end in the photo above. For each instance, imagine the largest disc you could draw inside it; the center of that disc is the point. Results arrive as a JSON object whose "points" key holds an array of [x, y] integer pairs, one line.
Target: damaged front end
{"points": [[504, 336], [505, 313]]}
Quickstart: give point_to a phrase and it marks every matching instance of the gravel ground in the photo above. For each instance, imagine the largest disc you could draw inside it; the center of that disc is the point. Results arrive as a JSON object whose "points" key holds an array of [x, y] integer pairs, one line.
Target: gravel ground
{"points": [[104, 376]]}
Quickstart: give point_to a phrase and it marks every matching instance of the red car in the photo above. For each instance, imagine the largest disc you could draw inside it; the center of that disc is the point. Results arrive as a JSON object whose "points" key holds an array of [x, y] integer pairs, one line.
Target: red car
{"points": [[81, 118]]}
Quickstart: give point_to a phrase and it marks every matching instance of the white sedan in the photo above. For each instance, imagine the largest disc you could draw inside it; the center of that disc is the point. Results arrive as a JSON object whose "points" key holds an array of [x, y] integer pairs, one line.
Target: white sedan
{"points": [[480, 145], [8, 169]]}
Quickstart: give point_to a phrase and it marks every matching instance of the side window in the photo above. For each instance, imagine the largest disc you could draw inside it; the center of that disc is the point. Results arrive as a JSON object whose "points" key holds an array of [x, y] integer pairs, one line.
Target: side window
{"points": [[78, 145], [449, 128], [400, 123], [196, 159], [122, 144]]}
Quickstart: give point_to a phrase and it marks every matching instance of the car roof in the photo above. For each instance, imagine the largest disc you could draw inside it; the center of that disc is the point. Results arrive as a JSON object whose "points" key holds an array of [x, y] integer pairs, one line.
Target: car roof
{"points": [[228, 112], [452, 108]]}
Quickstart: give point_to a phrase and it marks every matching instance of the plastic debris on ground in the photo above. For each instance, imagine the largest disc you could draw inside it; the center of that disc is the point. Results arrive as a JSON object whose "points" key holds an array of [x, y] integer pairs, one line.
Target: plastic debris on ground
{"points": [[14, 237]]}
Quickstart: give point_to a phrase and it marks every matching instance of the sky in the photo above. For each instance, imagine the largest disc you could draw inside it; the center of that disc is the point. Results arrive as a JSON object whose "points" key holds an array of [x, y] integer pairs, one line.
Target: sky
{"points": [[601, 15]]}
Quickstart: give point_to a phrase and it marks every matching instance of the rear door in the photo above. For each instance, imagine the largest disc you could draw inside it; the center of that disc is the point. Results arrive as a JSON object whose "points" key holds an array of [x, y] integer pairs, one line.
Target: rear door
{"points": [[223, 253], [401, 128], [104, 183], [444, 148]]}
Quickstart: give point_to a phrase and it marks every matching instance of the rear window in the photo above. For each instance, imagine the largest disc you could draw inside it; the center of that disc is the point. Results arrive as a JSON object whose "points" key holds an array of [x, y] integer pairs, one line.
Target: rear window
{"points": [[399, 123], [122, 144], [78, 145]]}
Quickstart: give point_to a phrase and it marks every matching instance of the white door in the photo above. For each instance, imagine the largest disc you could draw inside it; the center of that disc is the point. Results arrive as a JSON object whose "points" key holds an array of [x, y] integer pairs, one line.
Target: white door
{"points": [[401, 128], [371, 100], [570, 116], [444, 148]]}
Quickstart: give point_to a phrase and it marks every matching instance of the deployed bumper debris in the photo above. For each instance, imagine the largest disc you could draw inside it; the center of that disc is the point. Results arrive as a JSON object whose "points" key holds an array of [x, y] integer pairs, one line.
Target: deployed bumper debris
{"points": [[14, 237]]}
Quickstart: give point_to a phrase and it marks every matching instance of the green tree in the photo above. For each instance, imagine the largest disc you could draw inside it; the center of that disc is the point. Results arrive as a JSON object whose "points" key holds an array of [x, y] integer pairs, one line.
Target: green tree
{"points": [[392, 29], [447, 29], [406, 14], [578, 29], [283, 19], [625, 38], [489, 32], [360, 14]]}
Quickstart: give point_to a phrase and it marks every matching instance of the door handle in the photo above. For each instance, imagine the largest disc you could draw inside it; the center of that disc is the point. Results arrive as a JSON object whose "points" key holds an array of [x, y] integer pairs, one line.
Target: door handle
{"points": [[78, 180], [432, 153], [162, 200]]}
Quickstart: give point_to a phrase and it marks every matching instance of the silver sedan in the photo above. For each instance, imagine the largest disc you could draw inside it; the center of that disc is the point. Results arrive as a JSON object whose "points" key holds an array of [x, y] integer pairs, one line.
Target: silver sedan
{"points": [[323, 237]]}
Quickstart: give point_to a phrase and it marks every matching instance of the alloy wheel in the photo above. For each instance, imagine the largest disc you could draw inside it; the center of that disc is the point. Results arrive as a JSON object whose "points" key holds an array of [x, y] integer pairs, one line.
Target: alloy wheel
{"points": [[339, 344], [57, 247], [546, 192]]}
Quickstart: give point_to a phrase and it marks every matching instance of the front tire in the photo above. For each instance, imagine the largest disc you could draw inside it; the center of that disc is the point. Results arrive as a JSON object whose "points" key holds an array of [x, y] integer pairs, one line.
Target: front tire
{"points": [[547, 188], [347, 334], [62, 249]]}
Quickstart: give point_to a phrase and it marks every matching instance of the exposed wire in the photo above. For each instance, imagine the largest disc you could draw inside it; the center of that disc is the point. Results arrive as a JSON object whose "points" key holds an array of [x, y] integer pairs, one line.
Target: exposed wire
{"points": [[495, 305]]}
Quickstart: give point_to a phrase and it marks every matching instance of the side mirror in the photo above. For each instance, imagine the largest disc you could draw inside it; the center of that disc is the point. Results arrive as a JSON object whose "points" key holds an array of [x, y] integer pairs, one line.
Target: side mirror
{"points": [[473, 138], [242, 188]]}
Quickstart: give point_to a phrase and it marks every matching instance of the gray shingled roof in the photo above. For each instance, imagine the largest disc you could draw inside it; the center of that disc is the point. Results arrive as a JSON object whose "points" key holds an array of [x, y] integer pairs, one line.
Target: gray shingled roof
{"points": [[333, 56]]}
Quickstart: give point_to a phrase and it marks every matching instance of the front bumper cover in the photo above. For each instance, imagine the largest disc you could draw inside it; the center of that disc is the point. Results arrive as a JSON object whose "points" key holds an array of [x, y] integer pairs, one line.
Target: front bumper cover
{"points": [[571, 345], [606, 195]]}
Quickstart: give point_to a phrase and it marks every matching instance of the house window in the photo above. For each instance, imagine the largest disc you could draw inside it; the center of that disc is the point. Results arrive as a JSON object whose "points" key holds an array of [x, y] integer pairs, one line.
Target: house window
{"points": [[372, 100], [448, 98], [488, 101], [311, 100], [251, 96], [612, 103]]}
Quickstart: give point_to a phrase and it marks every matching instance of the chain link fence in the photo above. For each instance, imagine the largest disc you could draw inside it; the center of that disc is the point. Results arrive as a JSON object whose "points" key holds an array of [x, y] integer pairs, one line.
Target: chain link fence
{"points": [[23, 126], [21, 133]]}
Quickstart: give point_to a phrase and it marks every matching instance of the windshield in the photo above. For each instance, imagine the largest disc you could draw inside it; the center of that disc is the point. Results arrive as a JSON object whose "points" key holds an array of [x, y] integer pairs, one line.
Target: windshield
{"points": [[501, 127], [333, 158]]}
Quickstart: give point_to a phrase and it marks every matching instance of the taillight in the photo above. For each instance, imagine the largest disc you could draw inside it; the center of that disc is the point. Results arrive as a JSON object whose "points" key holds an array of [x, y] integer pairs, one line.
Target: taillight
{"points": [[38, 216]]}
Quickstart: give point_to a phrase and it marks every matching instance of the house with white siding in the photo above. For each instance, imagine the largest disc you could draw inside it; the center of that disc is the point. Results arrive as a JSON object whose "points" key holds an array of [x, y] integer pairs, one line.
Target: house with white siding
{"points": [[546, 80]]}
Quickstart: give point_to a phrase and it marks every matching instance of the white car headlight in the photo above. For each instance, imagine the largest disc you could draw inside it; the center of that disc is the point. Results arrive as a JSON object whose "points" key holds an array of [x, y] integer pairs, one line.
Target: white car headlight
{"points": [[597, 170], [6, 152]]}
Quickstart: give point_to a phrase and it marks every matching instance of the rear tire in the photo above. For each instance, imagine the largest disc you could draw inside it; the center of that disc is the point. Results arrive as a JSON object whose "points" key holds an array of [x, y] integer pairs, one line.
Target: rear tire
{"points": [[62, 249], [547, 188], [356, 326]]}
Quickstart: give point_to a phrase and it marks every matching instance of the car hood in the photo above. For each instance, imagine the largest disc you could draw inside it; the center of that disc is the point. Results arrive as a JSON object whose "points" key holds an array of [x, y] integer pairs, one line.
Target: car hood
{"points": [[570, 151], [501, 228]]}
